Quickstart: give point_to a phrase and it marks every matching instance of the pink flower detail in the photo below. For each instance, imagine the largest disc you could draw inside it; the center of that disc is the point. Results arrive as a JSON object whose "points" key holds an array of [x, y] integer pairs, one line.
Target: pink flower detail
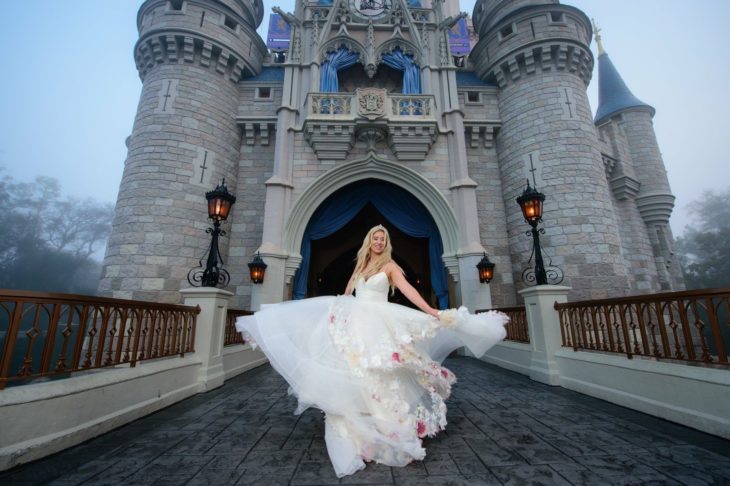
{"points": [[332, 318], [396, 357], [444, 373], [421, 428]]}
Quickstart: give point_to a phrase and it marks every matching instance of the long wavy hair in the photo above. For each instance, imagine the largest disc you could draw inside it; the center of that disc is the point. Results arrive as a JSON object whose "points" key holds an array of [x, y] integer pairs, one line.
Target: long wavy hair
{"points": [[364, 257]]}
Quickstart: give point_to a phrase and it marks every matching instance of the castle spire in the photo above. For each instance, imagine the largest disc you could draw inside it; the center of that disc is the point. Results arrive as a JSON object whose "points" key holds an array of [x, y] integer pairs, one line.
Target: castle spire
{"points": [[597, 34], [613, 94]]}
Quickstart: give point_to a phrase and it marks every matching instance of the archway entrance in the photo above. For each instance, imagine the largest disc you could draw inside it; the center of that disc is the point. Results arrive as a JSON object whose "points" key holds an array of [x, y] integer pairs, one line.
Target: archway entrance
{"points": [[333, 257], [335, 230]]}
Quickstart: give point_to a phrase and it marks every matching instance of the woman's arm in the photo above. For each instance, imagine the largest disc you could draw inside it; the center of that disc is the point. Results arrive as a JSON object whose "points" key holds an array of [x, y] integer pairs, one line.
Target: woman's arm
{"points": [[350, 285], [395, 274]]}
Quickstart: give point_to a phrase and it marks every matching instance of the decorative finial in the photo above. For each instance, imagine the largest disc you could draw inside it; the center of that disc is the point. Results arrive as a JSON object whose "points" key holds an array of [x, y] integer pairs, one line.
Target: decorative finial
{"points": [[597, 34]]}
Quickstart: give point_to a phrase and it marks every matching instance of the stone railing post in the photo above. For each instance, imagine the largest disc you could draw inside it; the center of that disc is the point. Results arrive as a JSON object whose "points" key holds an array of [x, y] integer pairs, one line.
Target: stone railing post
{"points": [[209, 332], [544, 327]]}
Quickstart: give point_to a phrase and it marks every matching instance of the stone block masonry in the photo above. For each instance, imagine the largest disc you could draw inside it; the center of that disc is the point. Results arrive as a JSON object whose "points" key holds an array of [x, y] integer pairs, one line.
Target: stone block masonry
{"points": [[185, 140]]}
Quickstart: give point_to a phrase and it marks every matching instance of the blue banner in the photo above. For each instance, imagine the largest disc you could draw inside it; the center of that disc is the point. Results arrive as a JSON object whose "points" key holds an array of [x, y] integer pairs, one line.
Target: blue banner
{"points": [[279, 33], [459, 38]]}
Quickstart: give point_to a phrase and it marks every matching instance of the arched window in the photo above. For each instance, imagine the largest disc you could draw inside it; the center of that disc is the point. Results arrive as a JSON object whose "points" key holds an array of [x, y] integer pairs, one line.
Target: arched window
{"points": [[411, 72], [340, 59]]}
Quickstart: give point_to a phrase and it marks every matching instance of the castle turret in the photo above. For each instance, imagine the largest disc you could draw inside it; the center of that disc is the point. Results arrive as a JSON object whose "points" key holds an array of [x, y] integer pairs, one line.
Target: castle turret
{"points": [[627, 122], [537, 53], [613, 95], [185, 140]]}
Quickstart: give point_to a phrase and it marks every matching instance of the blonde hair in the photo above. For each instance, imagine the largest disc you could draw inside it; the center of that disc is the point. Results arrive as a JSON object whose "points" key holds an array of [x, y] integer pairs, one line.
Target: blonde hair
{"points": [[364, 258]]}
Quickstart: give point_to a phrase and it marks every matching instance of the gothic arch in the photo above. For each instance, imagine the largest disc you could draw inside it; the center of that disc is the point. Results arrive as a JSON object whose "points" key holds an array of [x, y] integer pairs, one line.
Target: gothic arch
{"points": [[371, 167], [342, 41], [407, 47], [351, 44]]}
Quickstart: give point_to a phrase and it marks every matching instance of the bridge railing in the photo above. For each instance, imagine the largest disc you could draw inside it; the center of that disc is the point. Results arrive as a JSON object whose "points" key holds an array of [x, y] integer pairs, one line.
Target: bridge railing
{"points": [[52, 335], [232, 336], [517, 329], [691, 326]]}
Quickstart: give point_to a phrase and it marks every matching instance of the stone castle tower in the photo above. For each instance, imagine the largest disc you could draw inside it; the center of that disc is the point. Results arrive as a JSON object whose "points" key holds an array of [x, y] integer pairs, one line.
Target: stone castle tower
{"points": [[367, 115]]}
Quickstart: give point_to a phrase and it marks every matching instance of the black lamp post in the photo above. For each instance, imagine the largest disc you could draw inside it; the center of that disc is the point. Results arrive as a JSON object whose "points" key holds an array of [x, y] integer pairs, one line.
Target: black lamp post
{"points": [[531, 204], [486, 269], [257, 269], [219, 206]]}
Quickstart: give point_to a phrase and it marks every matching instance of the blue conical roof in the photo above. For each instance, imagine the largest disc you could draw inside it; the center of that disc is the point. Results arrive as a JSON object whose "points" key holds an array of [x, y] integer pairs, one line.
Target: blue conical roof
{"points": [[613, 94]]}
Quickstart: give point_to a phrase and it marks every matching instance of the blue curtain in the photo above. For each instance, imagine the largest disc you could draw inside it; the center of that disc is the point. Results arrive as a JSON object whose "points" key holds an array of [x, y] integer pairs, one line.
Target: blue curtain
{"points": [[340, 59], [401, 209], [411, 72]]}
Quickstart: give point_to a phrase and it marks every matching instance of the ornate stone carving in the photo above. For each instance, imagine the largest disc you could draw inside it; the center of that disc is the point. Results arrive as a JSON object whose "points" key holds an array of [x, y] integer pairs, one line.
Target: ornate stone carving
{"points": [[609, 163], [334, 120], [371, 102], [331, 104], [338, 42], [411, 105], [372, 135]]}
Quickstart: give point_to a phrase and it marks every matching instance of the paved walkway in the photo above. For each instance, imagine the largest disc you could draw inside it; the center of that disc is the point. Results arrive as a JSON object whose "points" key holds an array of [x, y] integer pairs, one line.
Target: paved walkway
{"points": [[503, 429]]}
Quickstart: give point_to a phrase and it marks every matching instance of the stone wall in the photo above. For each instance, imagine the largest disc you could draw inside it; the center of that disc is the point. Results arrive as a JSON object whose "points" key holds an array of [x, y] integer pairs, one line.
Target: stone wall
{"points": [[160, 219]]}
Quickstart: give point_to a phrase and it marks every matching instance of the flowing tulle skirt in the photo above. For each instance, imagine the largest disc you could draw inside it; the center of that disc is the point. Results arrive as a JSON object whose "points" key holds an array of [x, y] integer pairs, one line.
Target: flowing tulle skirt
{"points": [[373, 367]]}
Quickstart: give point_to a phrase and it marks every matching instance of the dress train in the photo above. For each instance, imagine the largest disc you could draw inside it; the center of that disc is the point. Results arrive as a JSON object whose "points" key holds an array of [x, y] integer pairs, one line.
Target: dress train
{"points": [[374, 368]]}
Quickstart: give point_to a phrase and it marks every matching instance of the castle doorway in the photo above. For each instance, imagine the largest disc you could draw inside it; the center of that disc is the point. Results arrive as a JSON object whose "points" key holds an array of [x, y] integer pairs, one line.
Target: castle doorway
{"points": [[335, 232]]}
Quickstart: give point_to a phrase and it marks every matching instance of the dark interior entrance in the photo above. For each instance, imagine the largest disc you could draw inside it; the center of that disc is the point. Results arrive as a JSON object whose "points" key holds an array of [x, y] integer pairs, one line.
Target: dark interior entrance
{"points": [[333, 257]]}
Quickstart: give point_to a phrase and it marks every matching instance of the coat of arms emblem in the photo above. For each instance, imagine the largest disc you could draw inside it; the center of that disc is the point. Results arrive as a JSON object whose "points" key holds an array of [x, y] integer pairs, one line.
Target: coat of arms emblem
{"points": [[371, 102]]}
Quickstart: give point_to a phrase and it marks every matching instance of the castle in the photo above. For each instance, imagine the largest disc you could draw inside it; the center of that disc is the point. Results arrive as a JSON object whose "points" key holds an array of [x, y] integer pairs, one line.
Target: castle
{"points": [[367, 115]]}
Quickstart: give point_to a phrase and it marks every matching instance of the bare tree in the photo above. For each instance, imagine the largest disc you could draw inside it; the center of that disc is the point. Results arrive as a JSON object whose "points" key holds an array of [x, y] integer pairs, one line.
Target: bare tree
{"points": [[47, 241]]}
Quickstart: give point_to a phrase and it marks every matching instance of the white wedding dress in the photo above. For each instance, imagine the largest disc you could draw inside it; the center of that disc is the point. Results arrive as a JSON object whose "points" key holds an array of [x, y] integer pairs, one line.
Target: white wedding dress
{"points": [[373, 367]]}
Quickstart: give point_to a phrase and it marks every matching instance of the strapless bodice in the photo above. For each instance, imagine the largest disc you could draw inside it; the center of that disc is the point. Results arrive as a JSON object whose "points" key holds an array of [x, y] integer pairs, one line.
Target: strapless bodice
{"points": [[373, 289]]}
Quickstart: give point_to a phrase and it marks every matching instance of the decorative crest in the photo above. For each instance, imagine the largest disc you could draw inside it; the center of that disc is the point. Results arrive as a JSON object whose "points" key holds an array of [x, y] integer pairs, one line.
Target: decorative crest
{"points": [[371, 102]]}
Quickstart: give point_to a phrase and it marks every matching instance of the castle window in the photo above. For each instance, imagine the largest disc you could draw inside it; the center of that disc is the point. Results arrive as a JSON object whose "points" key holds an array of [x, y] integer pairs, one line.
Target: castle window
{"points": [[473, 97], [263, 93], [506, 31], [230, 23], [175, 5], [557, 17]]}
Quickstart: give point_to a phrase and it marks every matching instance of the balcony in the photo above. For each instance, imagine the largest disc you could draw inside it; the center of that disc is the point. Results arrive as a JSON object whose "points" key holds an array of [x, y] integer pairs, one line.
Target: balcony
{"points": [[334, 121]]}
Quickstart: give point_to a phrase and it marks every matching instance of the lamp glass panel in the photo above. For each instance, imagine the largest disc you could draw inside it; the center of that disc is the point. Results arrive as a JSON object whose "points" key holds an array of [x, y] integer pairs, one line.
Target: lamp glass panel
{"points": [[218, 208], [532, 209]]}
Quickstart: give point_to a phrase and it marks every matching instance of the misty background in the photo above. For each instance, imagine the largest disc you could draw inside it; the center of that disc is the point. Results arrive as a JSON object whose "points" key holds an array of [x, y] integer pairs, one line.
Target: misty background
{"points": [[70, 91]]}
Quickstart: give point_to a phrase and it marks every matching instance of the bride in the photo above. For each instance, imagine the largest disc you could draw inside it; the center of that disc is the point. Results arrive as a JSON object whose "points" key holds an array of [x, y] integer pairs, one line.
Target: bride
{"points": [[374, 368]]}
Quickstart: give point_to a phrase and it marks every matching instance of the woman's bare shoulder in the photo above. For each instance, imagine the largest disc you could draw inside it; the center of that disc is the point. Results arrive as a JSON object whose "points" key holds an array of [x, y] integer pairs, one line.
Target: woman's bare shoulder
{"points": [[391, 267]]}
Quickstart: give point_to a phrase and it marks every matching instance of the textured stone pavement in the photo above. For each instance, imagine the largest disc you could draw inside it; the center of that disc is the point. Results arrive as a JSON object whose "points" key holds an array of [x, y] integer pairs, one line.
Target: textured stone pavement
{"points": [[503, 429]]}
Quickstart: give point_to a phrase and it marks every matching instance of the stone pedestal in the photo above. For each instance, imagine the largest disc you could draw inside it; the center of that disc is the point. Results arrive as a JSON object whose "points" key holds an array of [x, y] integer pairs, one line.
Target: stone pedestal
{"points": [[209, 332], [544, 328]]}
